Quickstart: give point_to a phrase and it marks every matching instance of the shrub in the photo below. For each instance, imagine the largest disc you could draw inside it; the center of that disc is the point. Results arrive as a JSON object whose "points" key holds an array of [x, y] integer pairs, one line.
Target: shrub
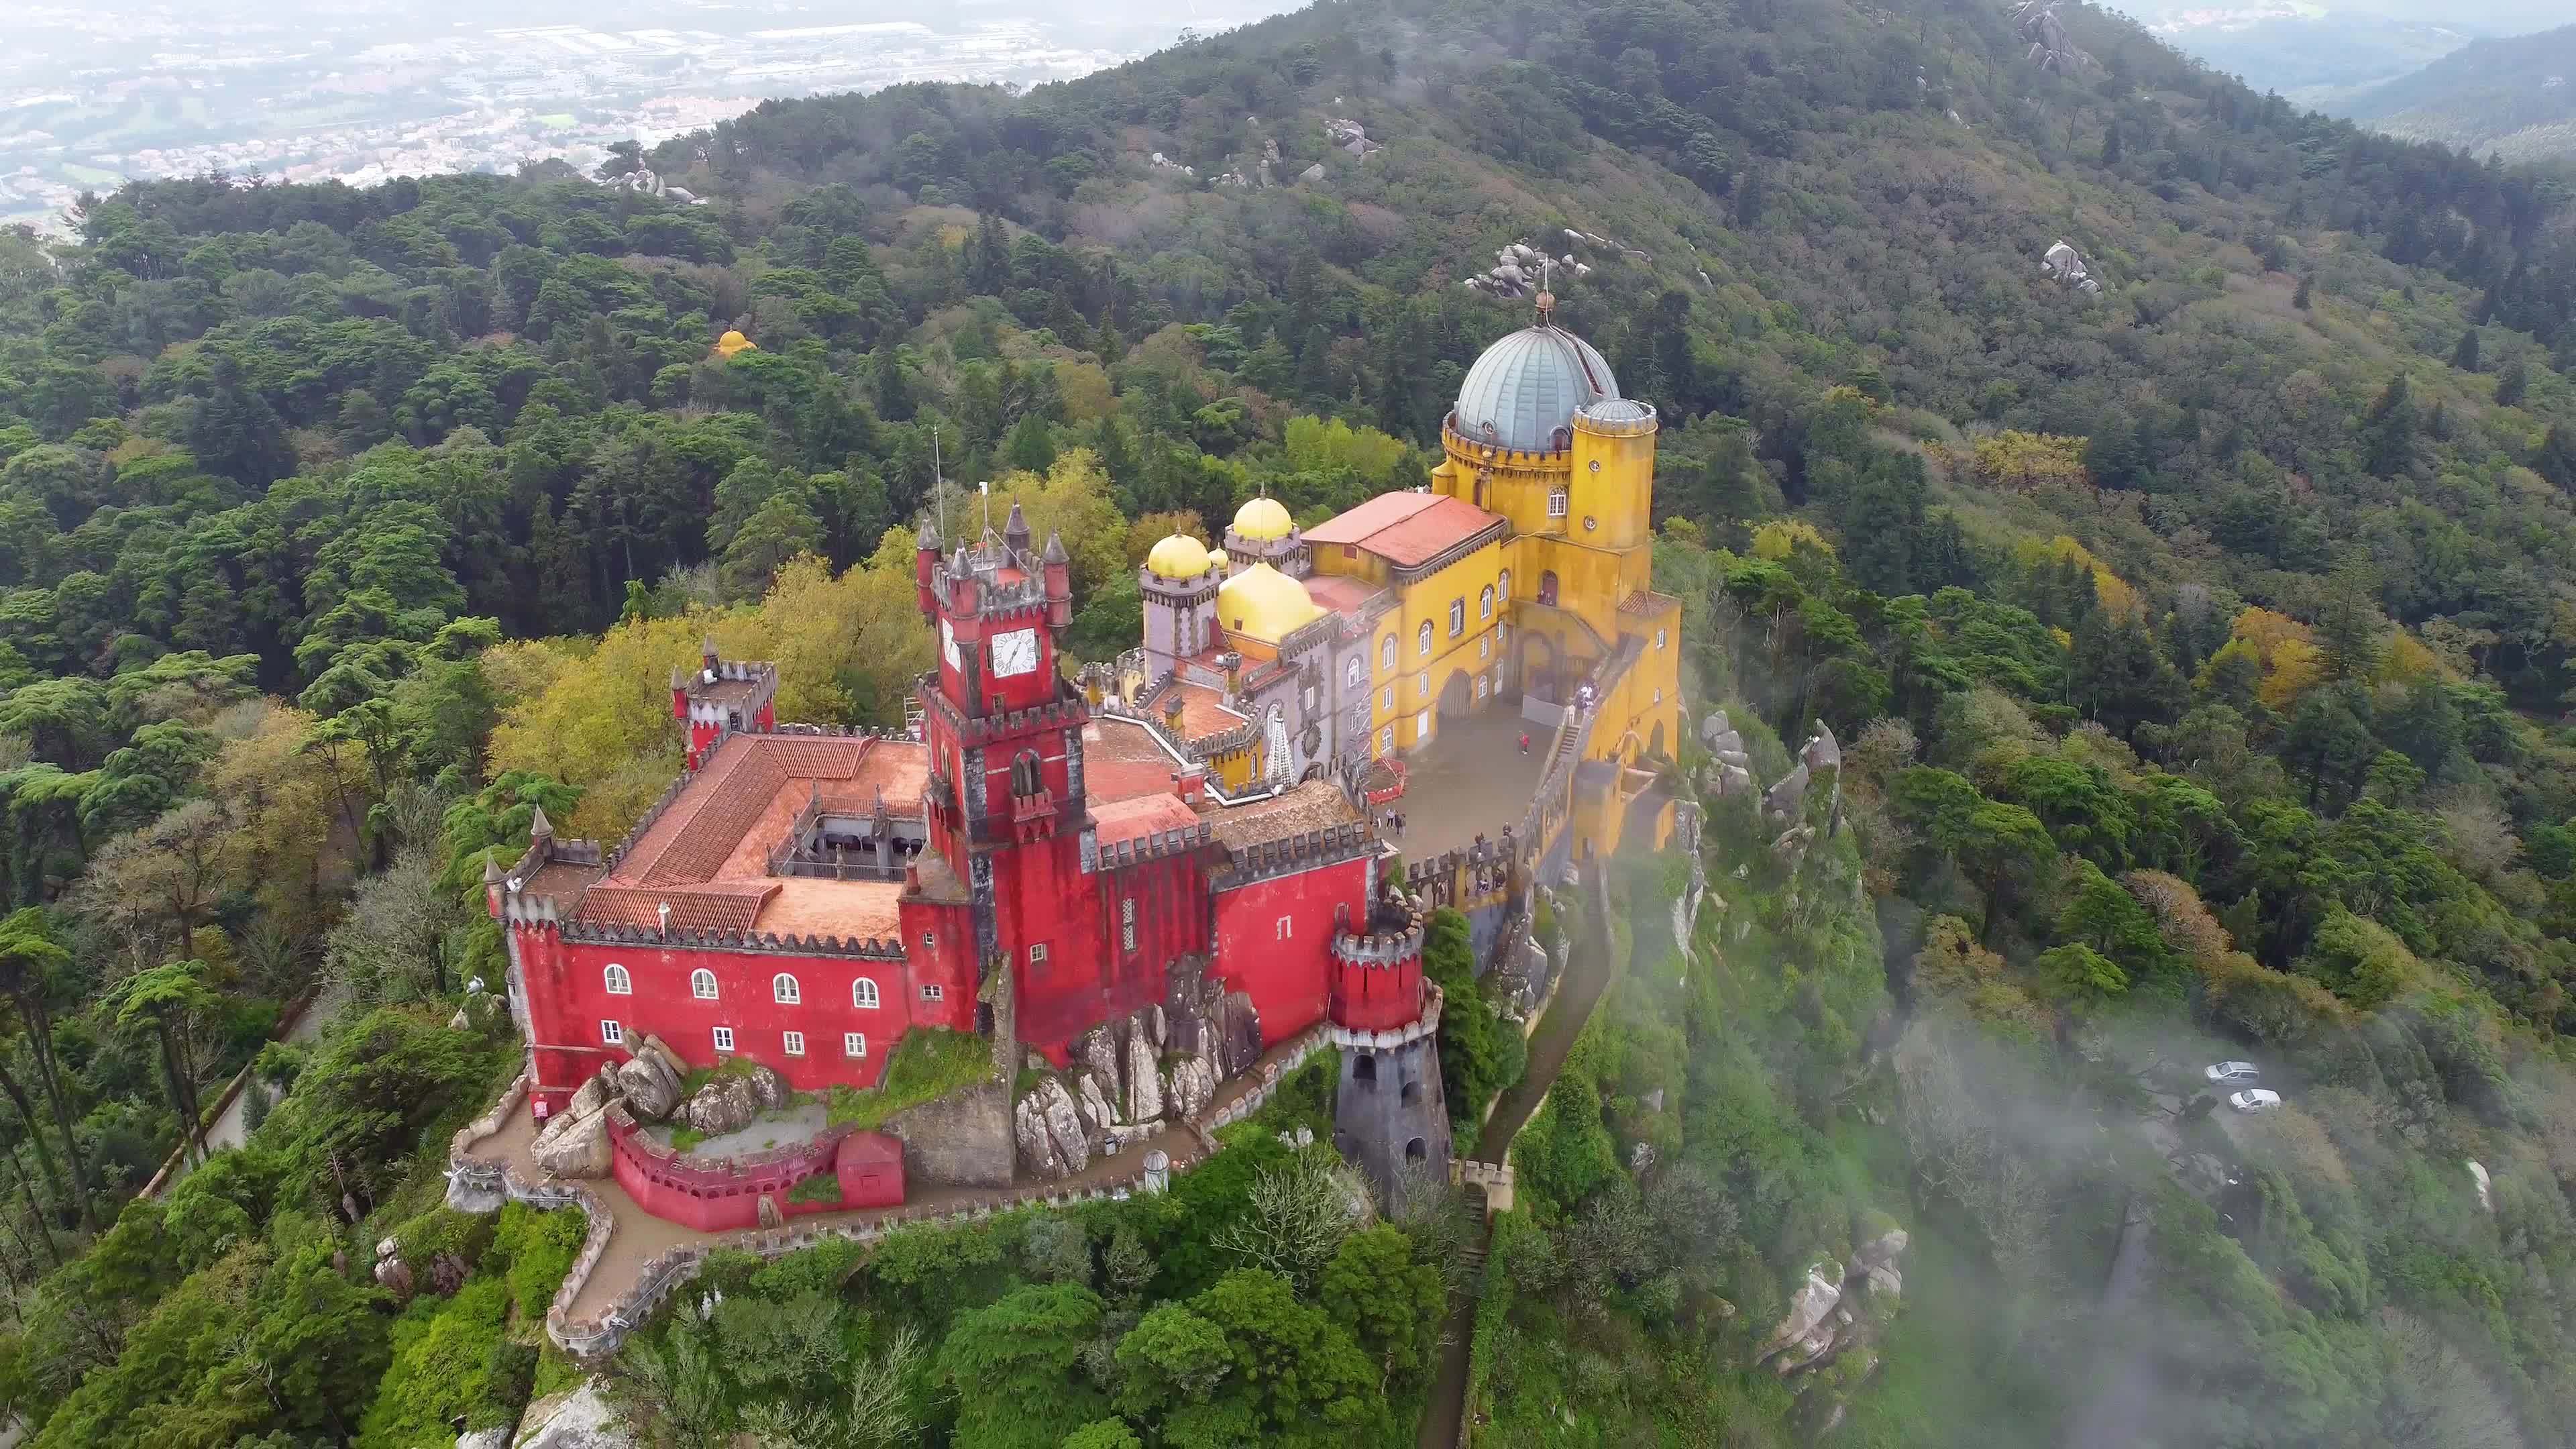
{"points": [[822, 1187], [536, 1250], [444, 1352]]}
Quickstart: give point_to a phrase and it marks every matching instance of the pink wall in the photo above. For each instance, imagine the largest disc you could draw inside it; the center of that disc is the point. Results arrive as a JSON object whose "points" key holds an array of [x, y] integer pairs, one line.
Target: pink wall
{"points": [[1286, 970], [1377, 998], [716, 1199]]}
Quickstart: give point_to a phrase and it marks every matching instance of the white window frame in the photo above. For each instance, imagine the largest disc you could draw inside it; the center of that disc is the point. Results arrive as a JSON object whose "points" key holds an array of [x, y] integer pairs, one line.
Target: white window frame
{"points": [[1421, 725], [854, 1045], [1556, 503], [1484, 646], [1386, 653], [724, 1038], [1387, 703], [1357, 672], [933, 991], [1457, 616], [1422, 640], [1386, 740], [786, 990], [619, 980], [702, 984], [792, 1043], [1503, 586], [1485, 603], [930, 940], [1480, 688], [863, 994], [1659, 638], [1038, 954], [612, 1032]]}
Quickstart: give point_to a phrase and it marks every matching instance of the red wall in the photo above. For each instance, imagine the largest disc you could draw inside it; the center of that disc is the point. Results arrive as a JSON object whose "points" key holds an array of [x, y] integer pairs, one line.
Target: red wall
{"points": [[568, 998], [1286, 975], [869, 1166], [1377, 998]]}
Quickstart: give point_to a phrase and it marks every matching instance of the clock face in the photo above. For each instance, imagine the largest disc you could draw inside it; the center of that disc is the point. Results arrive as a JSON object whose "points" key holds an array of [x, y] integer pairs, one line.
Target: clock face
{"points": [[1015, 653], [948, 643]]}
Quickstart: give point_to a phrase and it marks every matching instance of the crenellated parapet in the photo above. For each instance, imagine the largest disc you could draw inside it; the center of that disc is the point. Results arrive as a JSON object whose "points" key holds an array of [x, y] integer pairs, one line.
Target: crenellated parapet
{"points": [[1292, 854], [1156, 845], [766, 943], [1379, 949]]}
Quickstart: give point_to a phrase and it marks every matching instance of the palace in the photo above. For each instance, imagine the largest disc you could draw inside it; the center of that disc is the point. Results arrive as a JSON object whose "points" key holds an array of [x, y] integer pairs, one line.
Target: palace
{"points": [[1158, 870]]}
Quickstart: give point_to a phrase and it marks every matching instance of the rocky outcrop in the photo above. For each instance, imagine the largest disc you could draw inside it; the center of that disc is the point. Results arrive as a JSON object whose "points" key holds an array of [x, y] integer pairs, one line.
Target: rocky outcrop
{"points": [[575, 1419], [1049, 1134], [1144, 1082], [726, 1104], [962, 1140], [1836, 1318], [1097, 1049], [497, 1437], [1189, 1088], [1094, 1103], [573, 1146], [650, 1087], [768, 1088], [1806, 1331], [2486, 1187], [594, 1094], [2063, 263]]}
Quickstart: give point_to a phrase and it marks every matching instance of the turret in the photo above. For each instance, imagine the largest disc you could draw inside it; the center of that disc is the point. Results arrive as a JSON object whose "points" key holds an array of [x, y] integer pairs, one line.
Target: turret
{"points": [[1015, 532], [493, 881], [1377, 972], [1059, 578], [925, 566]]}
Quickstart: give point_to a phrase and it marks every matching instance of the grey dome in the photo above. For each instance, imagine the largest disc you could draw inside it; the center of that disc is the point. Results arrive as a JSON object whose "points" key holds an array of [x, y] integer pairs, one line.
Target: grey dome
{"points": [[1528, 385], [1614, 410]]}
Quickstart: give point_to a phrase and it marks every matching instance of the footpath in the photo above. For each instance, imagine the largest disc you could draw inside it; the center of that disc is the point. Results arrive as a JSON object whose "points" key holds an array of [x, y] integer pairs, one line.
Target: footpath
{"points": [[1588, 969]]}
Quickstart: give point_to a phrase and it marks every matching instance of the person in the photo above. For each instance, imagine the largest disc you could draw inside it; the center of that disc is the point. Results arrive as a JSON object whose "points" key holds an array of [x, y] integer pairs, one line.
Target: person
{"points": [[1525, 742]]}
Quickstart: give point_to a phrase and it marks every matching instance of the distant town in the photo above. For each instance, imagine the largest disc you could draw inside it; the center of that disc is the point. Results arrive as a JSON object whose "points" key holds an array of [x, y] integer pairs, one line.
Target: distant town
{"points": [[92, 96]]}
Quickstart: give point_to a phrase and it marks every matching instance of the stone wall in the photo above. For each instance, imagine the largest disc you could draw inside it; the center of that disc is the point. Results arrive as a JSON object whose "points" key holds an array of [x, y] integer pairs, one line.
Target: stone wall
{"points": [[962, 1139]]}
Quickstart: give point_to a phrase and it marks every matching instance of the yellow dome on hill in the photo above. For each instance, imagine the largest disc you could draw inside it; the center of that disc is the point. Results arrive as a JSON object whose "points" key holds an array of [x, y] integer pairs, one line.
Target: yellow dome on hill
{"points": [[1263, 519], [1264, 603], [1178, 557], [733, 342]]}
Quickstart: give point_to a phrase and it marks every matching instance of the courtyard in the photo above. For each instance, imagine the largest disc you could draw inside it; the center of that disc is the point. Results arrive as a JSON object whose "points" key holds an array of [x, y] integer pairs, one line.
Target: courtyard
{"points": [[1471, 780]]}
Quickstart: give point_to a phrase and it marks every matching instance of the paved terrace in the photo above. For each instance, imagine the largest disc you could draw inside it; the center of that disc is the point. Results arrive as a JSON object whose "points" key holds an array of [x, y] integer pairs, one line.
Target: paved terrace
{"points": [[1472, 779], [637, 1237]]}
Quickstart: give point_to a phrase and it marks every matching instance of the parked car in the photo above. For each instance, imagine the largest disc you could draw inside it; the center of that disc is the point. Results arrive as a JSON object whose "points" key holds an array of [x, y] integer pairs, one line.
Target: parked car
{"points": [[2233, 1074], [2254, 1099]]}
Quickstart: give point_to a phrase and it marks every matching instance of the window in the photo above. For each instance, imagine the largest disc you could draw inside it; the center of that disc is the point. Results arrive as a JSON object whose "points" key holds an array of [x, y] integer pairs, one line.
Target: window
{"points": [[1287, 927], [1422, 638], [702, 984], [1547, 587], [1556, 503], [1485, 603], [863, 994], [1485, 646], [930, 940], [1386, 740], [1422, 685], [1386, 653], [934, 993], [854, 1043], [783, 987], [613, 1033], [1358, 672], [724, 1038], [1421, 725], [1659, 694], [793, 1043], [1364, 1069], [1038, 954], [1457, 617], [1386, 701], [619, 983], [1503, 587], [1659, 638], [1480, 686], [1127, 923]]}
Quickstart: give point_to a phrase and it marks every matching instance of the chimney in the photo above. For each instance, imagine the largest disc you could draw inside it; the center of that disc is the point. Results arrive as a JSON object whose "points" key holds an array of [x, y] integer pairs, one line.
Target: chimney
{"points": [[1190, 784]]}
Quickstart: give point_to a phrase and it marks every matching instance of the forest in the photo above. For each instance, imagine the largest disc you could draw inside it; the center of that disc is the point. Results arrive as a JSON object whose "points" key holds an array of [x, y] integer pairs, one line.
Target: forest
{"points": [[2199, 645]]}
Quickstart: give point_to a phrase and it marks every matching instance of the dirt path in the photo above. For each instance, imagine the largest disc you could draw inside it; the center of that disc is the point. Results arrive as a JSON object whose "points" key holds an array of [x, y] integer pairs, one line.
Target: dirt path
{"points": [[1587, 976]]}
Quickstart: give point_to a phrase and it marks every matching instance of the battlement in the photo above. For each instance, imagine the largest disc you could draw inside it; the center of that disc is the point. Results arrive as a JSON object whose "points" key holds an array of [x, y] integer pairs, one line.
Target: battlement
{"points": [[766, 943], [1159, 845], [1290, 855], [1380, 948]]}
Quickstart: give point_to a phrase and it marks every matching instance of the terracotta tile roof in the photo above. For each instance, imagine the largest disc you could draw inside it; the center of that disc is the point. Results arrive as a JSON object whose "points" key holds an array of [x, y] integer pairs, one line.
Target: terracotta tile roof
{"points": [[1141, 815], [1310, 806], [1341, 593], [1645, 601], [1120, 761], [1411, 529], [707, 856], [1203, 712]]}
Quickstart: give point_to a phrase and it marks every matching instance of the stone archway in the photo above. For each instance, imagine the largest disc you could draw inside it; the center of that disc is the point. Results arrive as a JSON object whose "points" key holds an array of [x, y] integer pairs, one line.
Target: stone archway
{"points": [[1541, 664], [1457, 696], [1655, 741]]}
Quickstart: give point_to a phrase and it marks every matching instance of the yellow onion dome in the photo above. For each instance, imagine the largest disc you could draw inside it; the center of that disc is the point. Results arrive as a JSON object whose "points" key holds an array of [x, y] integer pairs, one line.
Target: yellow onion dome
{"points": [[1178, 557], [1262, 519], [733, 342], [1265, 604], [1218, 561]]}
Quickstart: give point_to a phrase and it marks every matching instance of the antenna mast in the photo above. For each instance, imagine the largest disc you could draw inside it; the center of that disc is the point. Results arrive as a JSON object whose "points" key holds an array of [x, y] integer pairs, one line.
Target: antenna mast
{"points": [[1546, 291], [938, 483]]}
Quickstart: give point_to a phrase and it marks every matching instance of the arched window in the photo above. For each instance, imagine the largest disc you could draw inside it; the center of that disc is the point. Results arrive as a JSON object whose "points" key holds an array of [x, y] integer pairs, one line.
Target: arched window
{"points": [[1547, 587], [1457, 617], [619, 983], [1412, 1092], [1422, 638], [1415, 1151], [1025, 779], [1503, 587], [1364, 1069], [1485, 603], [1386, 653], [783, 987], [702, 984], [1556, 503], [863, 994]]}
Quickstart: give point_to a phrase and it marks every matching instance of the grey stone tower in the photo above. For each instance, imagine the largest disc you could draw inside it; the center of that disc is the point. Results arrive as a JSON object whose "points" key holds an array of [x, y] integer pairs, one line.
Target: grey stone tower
{"points": [[1389, 1113]]}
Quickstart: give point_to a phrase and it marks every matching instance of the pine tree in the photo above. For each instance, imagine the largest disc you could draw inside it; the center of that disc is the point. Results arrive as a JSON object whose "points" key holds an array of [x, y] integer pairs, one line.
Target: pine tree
{"points": [[2465, 356], [2299, 299], [2511, 383], [2388, 429], [2111, 145], [892, 396], [2556, 460]]}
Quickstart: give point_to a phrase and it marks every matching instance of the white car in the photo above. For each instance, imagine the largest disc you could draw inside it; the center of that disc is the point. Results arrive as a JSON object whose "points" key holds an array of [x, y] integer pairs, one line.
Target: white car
{"points": [[2254, 1099], [2233, 1074]]}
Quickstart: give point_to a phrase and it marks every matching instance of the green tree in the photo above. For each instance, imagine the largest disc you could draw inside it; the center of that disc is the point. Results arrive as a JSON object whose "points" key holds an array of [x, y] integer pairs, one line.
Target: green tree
{"points": [[31, 972], [1388, 1303], [165, 1000], [1014, 1366]]}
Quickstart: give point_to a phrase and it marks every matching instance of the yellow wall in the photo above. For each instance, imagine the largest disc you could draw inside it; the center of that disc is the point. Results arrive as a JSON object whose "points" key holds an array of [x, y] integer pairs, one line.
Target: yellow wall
{"points": [[1472, 651]]}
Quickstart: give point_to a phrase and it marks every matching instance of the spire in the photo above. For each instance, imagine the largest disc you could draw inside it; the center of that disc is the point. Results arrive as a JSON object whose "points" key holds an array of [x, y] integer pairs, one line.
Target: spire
{"points": [[707, 650], [1015, 530], [1055, 553], [539, 827], [491, 868], [929, 531]]}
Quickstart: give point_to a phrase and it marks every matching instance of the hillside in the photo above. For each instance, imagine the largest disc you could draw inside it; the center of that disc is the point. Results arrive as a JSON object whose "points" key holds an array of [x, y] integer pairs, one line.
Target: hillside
{"points": [[2198, 631], [2513, 97]]}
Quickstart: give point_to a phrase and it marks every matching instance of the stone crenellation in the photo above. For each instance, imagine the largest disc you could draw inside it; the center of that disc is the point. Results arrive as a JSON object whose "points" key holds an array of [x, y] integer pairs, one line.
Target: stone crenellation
{"points": [[763, 942], [1262, 860]]}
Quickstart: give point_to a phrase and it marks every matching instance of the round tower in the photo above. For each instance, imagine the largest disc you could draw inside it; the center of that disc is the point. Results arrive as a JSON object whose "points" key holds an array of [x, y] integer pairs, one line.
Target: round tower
{"points": [[1390, 1114]]}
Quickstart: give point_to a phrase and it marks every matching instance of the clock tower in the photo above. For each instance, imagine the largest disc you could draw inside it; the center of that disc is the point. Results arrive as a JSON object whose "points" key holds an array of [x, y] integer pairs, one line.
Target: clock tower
{"points": [[1004, 798]]}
